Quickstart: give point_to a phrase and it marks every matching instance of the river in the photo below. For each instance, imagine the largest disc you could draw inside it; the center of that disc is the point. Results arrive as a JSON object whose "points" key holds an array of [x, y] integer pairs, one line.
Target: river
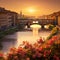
{"points": [[14, 40]]}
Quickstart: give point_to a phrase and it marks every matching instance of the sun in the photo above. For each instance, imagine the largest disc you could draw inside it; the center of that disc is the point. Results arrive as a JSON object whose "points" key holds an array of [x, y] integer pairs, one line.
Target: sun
{"points": [[31, 10]]}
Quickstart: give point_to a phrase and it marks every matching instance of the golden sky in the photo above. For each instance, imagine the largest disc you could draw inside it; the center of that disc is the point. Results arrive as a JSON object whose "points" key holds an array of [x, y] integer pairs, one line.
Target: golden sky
{"points": [[32, 7]]}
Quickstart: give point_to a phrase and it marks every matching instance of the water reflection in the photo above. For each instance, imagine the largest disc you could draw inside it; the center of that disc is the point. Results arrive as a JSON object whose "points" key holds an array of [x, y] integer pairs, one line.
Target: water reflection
{"points": [[17, 38]]}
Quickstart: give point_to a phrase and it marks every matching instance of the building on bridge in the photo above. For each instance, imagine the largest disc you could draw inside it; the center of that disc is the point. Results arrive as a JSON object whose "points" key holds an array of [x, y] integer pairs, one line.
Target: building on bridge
{"points": [[42, 22]]}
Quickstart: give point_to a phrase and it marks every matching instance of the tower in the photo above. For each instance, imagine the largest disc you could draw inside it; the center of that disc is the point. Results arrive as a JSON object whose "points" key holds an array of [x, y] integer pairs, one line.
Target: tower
{"points": [[21, 14]]}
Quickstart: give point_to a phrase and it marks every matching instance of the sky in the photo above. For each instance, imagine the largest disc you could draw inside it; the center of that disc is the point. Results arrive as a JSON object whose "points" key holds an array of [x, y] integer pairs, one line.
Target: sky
{"points": [[32, 7]]}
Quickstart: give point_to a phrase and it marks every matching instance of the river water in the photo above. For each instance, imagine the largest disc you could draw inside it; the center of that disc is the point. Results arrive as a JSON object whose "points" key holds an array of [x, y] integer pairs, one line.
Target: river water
{"points": [[14, 40]]}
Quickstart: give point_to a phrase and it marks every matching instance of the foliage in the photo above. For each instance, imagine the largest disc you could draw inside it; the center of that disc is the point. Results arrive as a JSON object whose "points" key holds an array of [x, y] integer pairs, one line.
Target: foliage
{"points": [[51, 26], [8, 31], [54, 31]]}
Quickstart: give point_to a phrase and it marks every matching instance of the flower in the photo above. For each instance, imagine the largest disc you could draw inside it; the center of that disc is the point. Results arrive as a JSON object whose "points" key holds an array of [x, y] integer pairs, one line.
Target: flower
{"points": [[40, 48], [40, 40], [13, 49], [35, 51], [50, 42], [47, 53], [56, 57], [34, 56], [1, 54], [27, 58], [47, 46]]}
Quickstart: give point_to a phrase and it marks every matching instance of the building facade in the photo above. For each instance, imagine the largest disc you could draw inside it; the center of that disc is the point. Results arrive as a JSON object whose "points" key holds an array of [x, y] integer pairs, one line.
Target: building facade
{"points": [[7, 19]]}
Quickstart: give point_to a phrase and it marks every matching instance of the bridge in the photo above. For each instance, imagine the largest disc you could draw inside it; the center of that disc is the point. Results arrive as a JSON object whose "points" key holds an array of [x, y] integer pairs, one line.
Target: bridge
{"points": [[42, 22]]}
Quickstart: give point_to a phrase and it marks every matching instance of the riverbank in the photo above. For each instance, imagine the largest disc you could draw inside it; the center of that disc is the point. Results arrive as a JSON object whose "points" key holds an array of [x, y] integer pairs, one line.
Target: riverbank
{"points": [[7, 32]]}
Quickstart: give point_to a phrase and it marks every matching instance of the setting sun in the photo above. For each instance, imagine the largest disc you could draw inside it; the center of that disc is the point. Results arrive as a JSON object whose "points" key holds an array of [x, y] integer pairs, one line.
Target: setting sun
{"points": [[31, 10]]}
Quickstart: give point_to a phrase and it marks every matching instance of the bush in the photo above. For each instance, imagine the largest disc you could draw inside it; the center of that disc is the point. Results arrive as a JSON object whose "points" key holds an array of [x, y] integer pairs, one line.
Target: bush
{"points": [[8, 31], [54, 31], [51, 26]]}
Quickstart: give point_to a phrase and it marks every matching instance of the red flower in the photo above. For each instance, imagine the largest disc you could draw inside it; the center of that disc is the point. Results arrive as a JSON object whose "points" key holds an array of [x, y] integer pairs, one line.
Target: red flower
{"points": [[13, 49], [47, 46], [47, 52], [40, 48], [56, 57], [27, 58], [33, 56], [40, 40], [1, 54], [44, 55], [39, 55], [10, 54], [55, 37], [50, 42], [15, 58]]}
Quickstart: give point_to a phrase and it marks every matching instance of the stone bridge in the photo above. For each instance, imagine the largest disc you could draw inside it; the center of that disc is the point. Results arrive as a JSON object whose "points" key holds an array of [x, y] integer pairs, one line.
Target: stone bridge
{"points": [[42, 22]]}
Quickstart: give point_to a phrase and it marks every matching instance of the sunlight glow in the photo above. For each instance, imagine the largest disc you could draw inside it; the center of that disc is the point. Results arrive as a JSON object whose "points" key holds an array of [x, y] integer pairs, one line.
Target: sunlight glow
{"points": [[31, 10]]}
